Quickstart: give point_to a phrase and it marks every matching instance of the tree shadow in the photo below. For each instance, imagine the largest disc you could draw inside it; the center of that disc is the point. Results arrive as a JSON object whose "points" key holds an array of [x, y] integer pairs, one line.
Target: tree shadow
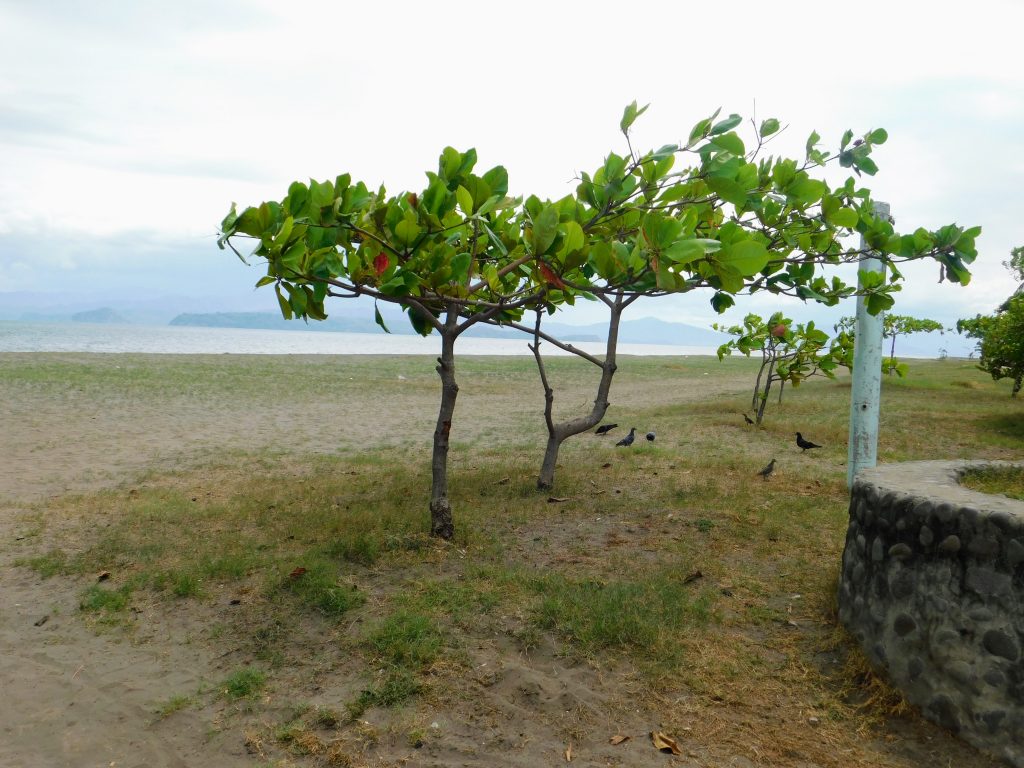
{"points": [[1004, 425]]}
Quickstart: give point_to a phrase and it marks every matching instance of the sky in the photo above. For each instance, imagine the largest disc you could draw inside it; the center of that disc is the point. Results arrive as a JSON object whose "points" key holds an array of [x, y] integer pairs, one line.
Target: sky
{"points": [[127, 128]]}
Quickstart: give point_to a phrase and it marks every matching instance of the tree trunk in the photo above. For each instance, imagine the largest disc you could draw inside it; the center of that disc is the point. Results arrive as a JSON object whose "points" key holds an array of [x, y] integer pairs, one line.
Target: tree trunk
{"points": [[892, 356], [440, 507], [755, 400], [782, 388], [562, 431], [1016, 386], [764, 395]]}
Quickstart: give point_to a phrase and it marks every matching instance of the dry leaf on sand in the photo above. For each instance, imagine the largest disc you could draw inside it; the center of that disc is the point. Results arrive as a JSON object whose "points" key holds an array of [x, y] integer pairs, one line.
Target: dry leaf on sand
{"points": [[665, 743], [618, 739], [568, 753]]}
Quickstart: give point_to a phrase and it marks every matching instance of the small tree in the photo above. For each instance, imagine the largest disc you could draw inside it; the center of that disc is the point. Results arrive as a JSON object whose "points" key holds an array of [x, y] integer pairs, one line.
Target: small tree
{"points": [[1001, 335], [713, 214], [789, 353], [892, 327], [455, 254], [1000, 341]]}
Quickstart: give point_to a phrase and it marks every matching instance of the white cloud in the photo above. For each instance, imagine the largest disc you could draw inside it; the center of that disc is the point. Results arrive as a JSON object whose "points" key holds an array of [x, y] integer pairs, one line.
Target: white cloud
{"points": [[121, 117]]}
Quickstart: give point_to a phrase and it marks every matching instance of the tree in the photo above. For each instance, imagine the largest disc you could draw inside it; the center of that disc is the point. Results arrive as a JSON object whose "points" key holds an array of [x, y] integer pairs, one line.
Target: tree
{"points": [[713, 214], [452, 255], [1001, 335], [789, 353], [893, 326], [462, 252]]}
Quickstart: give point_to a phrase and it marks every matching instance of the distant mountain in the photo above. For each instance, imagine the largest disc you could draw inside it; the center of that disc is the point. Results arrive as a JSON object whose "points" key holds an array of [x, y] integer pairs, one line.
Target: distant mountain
{"points": [[102, 315], [645, 330], [274, 322]]}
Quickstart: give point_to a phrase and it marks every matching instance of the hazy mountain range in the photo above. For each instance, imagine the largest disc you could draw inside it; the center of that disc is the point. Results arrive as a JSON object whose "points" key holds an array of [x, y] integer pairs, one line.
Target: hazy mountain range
{"points": [[356, 316]]}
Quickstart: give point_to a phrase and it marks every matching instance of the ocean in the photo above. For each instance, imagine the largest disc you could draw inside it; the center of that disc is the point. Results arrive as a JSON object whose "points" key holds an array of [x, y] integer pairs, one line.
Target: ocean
{"points": [[187, 340]]}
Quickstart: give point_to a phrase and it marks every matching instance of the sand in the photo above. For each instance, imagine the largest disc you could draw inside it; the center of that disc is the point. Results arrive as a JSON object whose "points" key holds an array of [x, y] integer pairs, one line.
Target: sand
{"points": [[78, 695]]}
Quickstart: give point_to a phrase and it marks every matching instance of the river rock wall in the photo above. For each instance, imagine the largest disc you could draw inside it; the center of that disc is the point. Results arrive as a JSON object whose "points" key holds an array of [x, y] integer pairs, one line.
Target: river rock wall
{"points": [[932, 586]]}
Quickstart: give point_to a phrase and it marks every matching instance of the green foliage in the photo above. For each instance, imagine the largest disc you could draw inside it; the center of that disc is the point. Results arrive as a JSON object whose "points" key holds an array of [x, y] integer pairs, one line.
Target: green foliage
{"points": [[1001, 335], [1000, 341], [714, 213], [731, 220], [894, 326], [789, 353]]}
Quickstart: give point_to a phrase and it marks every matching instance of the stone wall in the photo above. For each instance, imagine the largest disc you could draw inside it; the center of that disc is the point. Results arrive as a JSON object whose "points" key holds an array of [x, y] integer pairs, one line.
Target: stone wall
{"points": [[932, 586]]}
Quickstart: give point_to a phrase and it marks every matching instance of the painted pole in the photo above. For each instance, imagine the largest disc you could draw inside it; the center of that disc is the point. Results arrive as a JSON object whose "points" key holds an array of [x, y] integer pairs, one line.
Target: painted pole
{"points": [[866, 393]]}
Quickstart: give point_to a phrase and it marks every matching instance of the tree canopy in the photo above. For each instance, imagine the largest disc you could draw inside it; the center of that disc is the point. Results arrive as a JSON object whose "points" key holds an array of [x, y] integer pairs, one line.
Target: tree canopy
{"points": [[894, 326], [714, 212], [790, 353]]}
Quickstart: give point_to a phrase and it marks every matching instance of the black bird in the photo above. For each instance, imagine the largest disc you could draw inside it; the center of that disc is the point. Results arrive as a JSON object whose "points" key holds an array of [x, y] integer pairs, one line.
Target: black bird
{"points": [[604, 429], [650, 437], [747, 419], [628, 439], [767, 470], [805, 444]]}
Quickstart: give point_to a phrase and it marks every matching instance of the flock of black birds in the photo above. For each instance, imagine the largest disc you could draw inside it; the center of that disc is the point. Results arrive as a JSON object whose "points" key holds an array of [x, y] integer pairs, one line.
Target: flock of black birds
{"points": [[801, 442], [627, 441]]}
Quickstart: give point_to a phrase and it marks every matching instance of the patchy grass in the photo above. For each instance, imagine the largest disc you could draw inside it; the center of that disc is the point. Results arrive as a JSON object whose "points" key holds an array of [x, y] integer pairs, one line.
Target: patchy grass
{"points": [[1006, 481], [243, 683], [672, 578]]}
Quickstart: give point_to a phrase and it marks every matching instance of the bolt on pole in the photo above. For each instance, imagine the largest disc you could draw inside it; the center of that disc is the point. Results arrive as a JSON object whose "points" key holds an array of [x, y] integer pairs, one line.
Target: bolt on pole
{"points": [[866, 392]]}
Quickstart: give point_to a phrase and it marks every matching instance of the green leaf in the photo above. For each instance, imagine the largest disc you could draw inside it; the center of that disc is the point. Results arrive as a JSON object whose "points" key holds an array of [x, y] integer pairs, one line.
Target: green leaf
{"points": [[407, 231], [878, 136], [878, 302], [845, 217], [465, 200], [265, 280], [574, 238], [726, 125], [419, 322], [378, 318], [865, 164], [321, 193], [769, 126], [730, 142], [748, 257], [630, 114], [813, 139], [545, 228], [460, 267], [729, 190], [297, 299], [683, 252], [721, 302], [286, 308]]}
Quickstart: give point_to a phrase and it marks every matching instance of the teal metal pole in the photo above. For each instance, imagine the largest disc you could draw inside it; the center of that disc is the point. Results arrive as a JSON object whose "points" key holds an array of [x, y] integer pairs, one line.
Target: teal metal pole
{"points": [[866, 393]]}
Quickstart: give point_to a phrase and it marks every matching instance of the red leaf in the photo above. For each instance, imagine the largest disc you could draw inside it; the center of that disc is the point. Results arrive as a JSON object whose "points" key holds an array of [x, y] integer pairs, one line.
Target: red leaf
{"points": [[551, 277], [380, 263], [297, 573], [413, 200]]}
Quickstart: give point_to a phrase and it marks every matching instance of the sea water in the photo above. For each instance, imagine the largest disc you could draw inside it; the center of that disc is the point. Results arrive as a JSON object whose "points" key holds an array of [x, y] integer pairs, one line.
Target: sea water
{"points": [[18, 336]]}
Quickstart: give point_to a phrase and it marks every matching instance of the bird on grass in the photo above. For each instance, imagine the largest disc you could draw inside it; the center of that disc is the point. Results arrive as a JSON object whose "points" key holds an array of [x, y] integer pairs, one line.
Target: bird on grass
{"points": [[628, 439], [604, 429], [805, 444], [767, 470], [650, 437], [747, 419]]}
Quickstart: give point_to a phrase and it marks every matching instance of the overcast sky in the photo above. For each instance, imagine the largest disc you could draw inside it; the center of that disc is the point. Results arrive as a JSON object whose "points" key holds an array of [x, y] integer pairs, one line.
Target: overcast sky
{"points": [[128, 128]]}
